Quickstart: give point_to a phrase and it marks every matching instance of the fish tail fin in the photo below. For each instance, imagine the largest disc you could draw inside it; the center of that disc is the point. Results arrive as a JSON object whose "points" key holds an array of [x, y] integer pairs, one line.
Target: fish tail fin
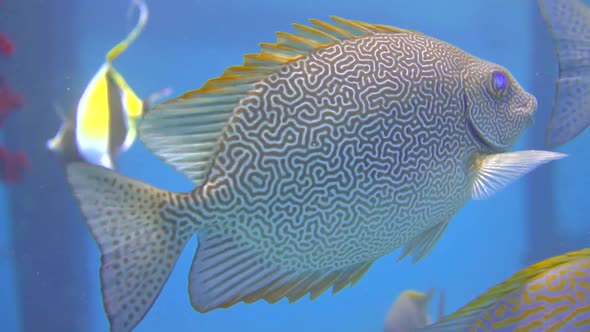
{"points": [[140, 231], [141, 22], [567, 22]]}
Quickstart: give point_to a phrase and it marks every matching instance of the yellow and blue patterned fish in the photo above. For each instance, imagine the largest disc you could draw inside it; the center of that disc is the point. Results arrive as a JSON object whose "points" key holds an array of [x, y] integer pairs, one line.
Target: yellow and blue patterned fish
{"points": [[552, 295], [103, 123], [331, 148], [569, 23]]}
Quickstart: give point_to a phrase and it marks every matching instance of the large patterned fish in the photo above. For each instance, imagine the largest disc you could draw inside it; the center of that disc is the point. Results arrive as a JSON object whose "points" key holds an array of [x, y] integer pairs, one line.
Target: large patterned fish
{"points": [[569, 23], [552, 295], [329, 149]]}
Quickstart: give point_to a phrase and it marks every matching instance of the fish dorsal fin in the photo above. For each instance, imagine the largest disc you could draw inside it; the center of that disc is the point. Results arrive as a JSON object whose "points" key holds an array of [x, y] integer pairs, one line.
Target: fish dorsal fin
{"points": [[184, 131], [290, 47], [474, 309], [131, 102], [130, 38]]}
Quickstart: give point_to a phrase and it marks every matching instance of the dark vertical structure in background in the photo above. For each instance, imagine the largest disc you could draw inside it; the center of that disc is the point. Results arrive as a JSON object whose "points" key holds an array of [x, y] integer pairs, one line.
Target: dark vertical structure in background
{"points": [[541, 212], [49, 235], [545, 237]]}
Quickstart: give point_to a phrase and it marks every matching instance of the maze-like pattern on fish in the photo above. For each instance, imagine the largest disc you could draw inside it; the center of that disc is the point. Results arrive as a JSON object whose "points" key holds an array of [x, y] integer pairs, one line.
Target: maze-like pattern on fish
{"points": [[558, 300], [346, 154]]}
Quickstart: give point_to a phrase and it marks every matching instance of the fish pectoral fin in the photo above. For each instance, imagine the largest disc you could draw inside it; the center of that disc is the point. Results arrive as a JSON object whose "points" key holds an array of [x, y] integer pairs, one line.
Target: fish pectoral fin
{"points": [[494, 172], [226, 271], [422, 243], [139, 244]]}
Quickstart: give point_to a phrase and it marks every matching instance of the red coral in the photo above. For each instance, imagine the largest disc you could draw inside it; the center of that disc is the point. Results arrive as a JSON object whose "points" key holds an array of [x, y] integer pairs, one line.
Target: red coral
{"points": [[6, 46], [9, 100], [12, 164]]}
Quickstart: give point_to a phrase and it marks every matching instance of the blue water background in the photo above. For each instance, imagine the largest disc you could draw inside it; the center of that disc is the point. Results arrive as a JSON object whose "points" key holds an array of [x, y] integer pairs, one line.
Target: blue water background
{"points": [[187, 42]]}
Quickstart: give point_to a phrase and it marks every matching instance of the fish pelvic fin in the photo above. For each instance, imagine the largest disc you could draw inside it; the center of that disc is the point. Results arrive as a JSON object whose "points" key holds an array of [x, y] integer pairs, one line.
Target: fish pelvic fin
{"points": [[494, 172], [227, 270], [464, 318], [140, 25], [140, 235], [567, 21], [423, 243]]}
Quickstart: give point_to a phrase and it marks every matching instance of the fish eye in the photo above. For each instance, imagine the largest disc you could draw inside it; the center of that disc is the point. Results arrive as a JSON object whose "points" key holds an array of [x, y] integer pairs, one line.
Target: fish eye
{"points": [[499, 82]]}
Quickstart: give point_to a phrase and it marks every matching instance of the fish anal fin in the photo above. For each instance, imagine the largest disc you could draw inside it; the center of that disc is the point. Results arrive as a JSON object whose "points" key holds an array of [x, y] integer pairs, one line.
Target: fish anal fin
{"points": [[423, 243], [225, 272]]}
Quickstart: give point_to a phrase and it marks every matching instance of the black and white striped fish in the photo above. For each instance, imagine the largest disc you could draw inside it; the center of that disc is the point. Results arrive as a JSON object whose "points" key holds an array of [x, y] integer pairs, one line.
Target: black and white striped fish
{"points": [[329, 149]]}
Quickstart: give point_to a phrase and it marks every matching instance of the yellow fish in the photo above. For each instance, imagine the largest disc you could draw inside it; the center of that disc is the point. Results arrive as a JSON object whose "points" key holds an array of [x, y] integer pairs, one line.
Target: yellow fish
{"points": [[552, 295], [103, 122]]}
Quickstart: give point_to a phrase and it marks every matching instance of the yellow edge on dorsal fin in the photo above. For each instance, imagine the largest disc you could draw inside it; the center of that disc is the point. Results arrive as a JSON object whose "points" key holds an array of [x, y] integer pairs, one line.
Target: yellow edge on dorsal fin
{"points": [[184, 131], [283, 50], [295, 41], [236, 71], [365, 30], [332, 29], [307, 31], [516, 282], [288, 47], [380, 28]]}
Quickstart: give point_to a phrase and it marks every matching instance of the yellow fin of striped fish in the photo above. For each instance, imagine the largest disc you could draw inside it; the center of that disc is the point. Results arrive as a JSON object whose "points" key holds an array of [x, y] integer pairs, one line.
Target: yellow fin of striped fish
{"points": [[131, 102], [184, 130], [464, 316], [87, 131]]}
